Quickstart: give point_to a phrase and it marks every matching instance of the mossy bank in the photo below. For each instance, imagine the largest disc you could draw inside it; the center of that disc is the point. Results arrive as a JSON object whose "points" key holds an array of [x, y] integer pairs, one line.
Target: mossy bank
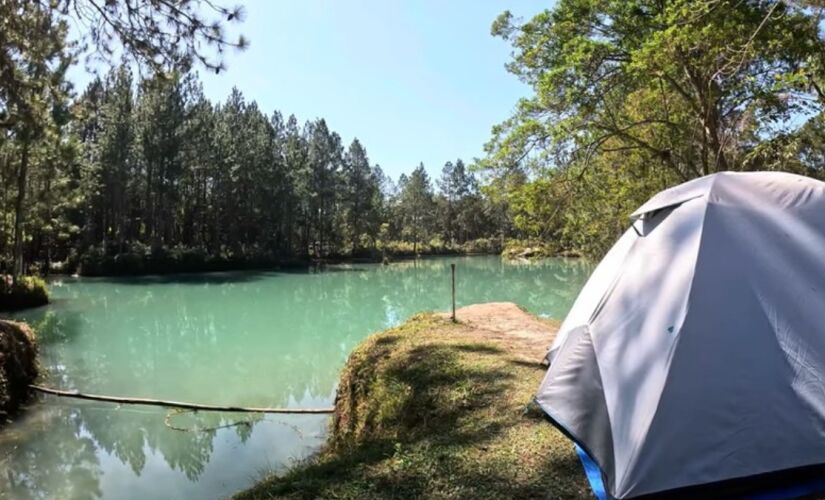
{"points": [[23, 293], [434, 409], [18, 366]]}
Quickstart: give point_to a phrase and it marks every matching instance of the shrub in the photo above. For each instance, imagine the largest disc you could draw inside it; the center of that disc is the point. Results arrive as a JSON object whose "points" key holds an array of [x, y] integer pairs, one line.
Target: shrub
{"points": [[94, 262], [482, 246], [139, 259], [27, 291], [397, 248], [525, 249], [126, 263]]}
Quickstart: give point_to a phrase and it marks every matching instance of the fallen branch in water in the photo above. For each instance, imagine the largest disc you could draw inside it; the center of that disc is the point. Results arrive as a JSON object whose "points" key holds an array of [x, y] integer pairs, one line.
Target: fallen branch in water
{"points": [[176, 404], [167, 421]]}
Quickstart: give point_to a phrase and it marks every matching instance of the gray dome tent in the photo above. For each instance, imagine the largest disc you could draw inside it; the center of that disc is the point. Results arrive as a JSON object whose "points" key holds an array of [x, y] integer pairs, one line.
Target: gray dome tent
{"points": [[695, 353]]}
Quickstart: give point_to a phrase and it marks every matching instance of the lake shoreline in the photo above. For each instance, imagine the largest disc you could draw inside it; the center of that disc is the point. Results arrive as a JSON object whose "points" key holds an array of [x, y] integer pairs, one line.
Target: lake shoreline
{"points": [[235, 338], [192, 262], [436, 408], [110, 267], [316, 263]]}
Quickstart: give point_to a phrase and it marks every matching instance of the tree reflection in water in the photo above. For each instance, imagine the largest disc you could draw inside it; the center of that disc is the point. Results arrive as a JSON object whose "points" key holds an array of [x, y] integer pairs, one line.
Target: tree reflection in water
{"points": [[254, 339]]}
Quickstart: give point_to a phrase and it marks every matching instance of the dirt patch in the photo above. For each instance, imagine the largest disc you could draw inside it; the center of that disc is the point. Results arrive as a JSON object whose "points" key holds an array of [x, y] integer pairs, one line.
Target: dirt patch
{"points": [[510, 327], [18, 366]]}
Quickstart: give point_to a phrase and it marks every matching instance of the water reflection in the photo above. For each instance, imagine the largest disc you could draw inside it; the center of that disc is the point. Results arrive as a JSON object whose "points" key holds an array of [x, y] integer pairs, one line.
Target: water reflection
{"points": [[263, 339]]}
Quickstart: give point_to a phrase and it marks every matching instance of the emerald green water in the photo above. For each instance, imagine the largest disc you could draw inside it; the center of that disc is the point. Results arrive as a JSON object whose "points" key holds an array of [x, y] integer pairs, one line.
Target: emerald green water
{"points": [[250, 338]]}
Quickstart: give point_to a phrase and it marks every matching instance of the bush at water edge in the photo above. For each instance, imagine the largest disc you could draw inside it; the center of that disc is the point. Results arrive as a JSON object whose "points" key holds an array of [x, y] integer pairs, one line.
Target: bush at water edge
{"points": [[27, 291]]}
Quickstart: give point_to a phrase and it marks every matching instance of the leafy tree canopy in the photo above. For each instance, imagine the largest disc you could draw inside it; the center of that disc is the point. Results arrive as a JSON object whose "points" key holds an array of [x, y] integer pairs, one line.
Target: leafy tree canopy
{"points": [[637, 95]]}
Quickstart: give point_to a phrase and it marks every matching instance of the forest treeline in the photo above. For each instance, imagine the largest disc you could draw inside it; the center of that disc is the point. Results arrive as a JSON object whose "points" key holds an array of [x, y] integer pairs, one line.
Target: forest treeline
{"points": [[151, 176], [133, 175], [628, 98]]}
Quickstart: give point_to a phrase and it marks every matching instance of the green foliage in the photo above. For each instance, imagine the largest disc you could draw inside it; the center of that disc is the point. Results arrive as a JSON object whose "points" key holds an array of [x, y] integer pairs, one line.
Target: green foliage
{"points": [[529, 250], [38, 154], [150, 177], [361, 198], [147, 175], [140, 259], [416, 206], [632, 97], [437, 246], [487, 246], [24, 292]]}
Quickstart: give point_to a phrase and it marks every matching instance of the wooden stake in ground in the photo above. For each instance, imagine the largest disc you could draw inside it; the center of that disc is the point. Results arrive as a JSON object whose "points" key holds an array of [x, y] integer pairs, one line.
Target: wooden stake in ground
{"points": [[452, 269]]}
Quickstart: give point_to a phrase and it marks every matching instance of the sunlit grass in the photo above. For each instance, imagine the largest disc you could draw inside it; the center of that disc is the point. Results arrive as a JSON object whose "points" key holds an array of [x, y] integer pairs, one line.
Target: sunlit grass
{"points": [[430, 410]]}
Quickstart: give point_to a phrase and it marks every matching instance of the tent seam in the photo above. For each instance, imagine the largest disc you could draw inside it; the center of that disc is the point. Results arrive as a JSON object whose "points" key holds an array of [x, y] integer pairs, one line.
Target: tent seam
{"points": [[634, 457]]}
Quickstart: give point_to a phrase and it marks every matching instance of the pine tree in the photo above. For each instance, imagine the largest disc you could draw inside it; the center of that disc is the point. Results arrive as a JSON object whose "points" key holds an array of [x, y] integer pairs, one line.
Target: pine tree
{"points": [[325, 158], [359, 195], [416, 205], [161, 117]]}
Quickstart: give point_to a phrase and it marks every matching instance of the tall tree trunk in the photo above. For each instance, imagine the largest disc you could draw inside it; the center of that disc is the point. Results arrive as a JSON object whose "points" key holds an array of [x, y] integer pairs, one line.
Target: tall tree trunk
{"points": [[23, 171], [148, 211], [415, 235], [4, 191], [49, 239]]}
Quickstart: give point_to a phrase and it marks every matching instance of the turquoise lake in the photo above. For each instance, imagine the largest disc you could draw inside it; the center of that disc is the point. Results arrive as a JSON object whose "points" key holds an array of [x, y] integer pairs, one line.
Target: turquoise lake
{"points": [[241, 338]]}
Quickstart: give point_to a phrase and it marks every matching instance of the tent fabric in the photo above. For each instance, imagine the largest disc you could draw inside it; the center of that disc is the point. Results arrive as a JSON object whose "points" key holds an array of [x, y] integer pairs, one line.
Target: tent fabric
{"points": [[695, 353]]}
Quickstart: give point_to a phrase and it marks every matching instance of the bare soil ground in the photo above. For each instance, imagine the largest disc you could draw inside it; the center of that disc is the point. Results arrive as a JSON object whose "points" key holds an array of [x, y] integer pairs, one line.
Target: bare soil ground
{"points": [[510, 327]]}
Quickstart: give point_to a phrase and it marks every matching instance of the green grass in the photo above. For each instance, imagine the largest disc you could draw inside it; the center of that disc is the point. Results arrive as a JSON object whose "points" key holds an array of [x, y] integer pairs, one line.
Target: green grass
{"points": [[430, 410]]}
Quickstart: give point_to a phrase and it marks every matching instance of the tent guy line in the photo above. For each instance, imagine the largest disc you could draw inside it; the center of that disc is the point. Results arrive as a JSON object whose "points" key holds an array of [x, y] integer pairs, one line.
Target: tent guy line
{"points": [[176, 404]]}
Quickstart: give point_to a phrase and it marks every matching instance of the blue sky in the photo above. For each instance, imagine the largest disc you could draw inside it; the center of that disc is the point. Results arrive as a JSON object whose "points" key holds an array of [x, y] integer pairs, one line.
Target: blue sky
{"points": [[415, 81]]}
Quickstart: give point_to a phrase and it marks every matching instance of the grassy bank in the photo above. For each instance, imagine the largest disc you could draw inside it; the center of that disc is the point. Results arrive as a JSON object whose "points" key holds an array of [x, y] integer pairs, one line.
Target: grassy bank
{"points": [[435, 409], [18, 366], [27, 291]]}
